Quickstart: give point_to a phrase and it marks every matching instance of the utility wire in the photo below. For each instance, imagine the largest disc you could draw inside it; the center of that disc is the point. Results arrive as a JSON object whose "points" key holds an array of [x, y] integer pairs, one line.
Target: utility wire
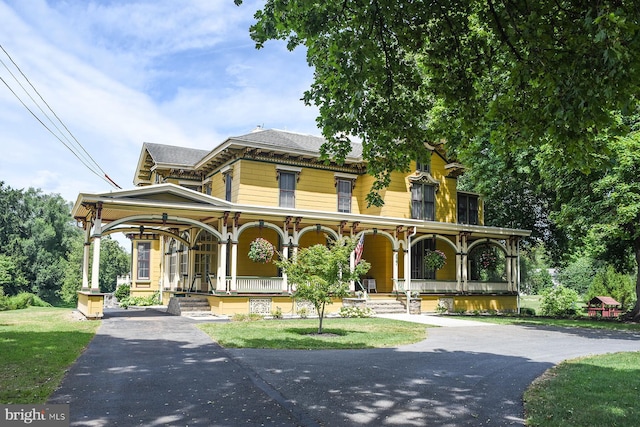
{"points": [[85, 158]]}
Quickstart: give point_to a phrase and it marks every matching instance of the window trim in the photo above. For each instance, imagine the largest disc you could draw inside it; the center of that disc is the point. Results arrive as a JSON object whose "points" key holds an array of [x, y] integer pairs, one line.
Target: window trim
{"points": [[467, 208], [286, 191], [140, 261]]}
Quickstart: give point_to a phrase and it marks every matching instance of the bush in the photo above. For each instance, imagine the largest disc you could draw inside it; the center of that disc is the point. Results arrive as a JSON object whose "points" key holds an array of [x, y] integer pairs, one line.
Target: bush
{"points": [[527, 311], [20, 301], [122, 292], [356, 312], [277, 314], [252, 317], [140, 301], [559, 302]]}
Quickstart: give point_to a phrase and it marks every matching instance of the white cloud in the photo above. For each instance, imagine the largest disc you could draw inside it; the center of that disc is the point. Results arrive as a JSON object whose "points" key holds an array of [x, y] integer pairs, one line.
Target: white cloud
{"points": [[120, 73]]}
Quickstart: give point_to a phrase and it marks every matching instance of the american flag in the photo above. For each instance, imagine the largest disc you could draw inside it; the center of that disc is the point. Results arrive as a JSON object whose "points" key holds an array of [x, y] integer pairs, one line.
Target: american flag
{"points": [[359, 248]]}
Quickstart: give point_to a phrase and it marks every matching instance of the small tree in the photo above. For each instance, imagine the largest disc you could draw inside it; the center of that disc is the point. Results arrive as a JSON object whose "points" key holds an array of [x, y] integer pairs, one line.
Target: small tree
{"points": [[321, 273], [559, 301]]}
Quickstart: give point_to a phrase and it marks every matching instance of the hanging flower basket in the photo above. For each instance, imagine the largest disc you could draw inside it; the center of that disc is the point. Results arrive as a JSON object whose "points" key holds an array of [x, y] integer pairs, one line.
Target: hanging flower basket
{"points": [[434, 260], [261, 250], [487, 259]]}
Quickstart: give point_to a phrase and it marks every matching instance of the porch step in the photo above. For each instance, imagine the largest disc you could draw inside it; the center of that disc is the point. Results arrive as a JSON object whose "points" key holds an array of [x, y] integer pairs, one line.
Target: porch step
{"points": [[181, 306], [386, 306]]}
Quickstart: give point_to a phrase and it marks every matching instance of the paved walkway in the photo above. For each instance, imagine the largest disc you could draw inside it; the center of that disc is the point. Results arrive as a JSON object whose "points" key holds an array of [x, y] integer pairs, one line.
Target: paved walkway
{"points": [[147, 368]]}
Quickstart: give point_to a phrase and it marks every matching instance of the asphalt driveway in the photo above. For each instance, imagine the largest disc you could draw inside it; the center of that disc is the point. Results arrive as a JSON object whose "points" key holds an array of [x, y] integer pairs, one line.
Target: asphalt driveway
{"points": [[147, 368]]}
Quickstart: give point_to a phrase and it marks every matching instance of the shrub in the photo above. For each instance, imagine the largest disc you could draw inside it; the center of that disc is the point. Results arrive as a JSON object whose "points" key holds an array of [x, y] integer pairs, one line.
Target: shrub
{"points": [[277, 313], [303, 312], [153, 299], [357, 312], [122, 292], [240, 317], [527, 311], [559, 301], [20, 301]]}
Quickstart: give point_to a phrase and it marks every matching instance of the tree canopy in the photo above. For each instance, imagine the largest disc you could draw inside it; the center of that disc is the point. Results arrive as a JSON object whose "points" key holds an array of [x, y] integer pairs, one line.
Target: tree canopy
{"points": [[550, 74]]}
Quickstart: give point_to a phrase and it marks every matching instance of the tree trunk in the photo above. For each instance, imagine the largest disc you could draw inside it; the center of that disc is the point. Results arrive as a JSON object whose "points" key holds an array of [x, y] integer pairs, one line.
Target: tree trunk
{"points": [[635, 313], [321, 315]]}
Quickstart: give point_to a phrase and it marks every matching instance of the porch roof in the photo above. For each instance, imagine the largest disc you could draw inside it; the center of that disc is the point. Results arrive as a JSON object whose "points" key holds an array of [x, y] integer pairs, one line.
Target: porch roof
{"points": [[175, 201]]}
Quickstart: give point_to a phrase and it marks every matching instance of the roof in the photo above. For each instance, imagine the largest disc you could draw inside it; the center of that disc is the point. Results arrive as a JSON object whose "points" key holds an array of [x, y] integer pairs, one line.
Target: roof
{"points": [[172, 154], [604, 300], [291, 141]]}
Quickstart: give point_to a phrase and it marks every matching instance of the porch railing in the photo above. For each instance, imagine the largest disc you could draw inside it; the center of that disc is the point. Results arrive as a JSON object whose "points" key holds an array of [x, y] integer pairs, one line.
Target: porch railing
{"points": [[257, 284], [450, 286]]}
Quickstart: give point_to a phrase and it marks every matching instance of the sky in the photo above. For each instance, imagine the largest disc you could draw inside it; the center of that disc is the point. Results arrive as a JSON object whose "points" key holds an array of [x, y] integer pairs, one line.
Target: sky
{"points": [[119, 73]]}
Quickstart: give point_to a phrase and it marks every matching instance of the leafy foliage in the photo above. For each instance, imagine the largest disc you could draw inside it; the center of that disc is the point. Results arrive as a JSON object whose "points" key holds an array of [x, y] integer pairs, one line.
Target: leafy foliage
{"points": [[619, 286], [559, 301], [321, 273], [550, 74]]}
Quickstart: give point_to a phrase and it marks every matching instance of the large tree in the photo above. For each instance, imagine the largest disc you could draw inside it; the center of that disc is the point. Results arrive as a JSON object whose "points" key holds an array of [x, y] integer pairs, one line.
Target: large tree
{"points": [[548, 73]]}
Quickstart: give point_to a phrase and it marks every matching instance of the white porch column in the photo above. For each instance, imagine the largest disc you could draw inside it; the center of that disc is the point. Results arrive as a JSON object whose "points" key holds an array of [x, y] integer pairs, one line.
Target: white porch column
{"points": [[285, 281], [509, 264], [352, 266], [221, 274], [97, 234], [85, 256], [465, 263], [234, 266], [395, 270], [458, 264]]}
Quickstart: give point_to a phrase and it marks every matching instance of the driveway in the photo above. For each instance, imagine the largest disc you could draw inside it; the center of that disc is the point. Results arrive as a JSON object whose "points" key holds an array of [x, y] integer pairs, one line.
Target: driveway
{"points": [[146, 368]]}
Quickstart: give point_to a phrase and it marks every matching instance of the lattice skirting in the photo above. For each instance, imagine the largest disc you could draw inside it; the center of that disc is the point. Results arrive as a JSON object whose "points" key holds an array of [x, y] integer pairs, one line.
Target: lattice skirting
{"points": [[260, 306]]}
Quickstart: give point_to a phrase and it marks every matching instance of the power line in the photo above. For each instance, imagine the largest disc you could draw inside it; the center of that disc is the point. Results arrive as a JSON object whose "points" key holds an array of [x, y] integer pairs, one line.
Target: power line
{"points": [[78, 149]]}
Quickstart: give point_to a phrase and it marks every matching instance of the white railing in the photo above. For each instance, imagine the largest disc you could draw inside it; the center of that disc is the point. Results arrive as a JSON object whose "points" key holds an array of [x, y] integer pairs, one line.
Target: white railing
{"points": [[257, 284], [450, 286], [487, 287]]}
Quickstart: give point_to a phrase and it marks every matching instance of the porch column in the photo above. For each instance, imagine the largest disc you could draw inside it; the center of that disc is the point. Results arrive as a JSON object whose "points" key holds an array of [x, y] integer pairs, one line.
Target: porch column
{"points": [[465, 263], [509, 264], [285, 282], [352, 266], [95, 267], [458, 264], [516, 265], [85, 256], [234, 266], [221, 281], [395, 270]]}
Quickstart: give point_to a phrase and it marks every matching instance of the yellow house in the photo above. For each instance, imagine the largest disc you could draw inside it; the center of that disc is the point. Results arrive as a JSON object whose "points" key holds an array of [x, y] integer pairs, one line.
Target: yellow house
{"points": [[194, 213]]}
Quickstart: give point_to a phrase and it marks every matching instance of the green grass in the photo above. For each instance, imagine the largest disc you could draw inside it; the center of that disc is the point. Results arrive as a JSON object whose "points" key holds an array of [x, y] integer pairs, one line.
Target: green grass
{"points": [[531, 301], [338, 333], [37, 345], [566, 323], [593, 391]]}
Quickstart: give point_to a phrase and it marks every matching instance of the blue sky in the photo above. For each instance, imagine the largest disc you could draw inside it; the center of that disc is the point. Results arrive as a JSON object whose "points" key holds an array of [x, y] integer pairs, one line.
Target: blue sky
{"points": [[123, 72]]}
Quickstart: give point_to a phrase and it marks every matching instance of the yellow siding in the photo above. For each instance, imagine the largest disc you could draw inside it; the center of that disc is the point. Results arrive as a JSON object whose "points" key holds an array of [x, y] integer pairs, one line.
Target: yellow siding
{"points": [[91, 305], [146, 286], [378, 252], [217, 186], [257, 183], [485, 303], [246, 267], [448, 272]]}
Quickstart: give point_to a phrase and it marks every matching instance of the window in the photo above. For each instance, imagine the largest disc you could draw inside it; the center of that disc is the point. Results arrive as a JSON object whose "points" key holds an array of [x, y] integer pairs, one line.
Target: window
{"points": [[424, 165], [228, 181], [144, 254], [423, 201], [287, 189], [468, 209], [344, 188]]}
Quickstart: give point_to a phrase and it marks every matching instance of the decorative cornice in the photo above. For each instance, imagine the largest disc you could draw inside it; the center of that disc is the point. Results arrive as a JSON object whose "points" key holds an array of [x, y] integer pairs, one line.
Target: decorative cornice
{"points": [[424, 178]]}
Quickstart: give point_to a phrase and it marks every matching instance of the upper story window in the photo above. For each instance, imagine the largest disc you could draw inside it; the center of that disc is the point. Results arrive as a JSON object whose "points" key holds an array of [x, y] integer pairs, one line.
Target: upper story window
{"points": [[424, 165], [287, 177], [344, 188], [467, 209], [423, 201], [144, 260], [227, 178], [287, 189]]}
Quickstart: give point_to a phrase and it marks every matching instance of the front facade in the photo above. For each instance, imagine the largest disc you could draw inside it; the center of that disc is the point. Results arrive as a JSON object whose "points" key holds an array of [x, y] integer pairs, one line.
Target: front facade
{"points": [[194, 213]]}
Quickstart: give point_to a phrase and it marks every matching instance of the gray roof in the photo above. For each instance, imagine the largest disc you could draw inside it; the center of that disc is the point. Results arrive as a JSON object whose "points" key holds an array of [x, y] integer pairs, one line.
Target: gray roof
{"points": [[291, 141], [172, 154], [278, 139]]}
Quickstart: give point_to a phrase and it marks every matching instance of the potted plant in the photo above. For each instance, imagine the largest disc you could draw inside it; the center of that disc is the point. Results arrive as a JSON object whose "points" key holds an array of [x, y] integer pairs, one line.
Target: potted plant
{"points": [[261, 250], [487, 259], [434, 259]]}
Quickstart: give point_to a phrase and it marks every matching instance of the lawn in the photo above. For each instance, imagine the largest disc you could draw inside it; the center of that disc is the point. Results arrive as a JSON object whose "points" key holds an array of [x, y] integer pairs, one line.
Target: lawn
{"points": [[593, 391], [338, 333], [565, 323], [37, 345]]}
